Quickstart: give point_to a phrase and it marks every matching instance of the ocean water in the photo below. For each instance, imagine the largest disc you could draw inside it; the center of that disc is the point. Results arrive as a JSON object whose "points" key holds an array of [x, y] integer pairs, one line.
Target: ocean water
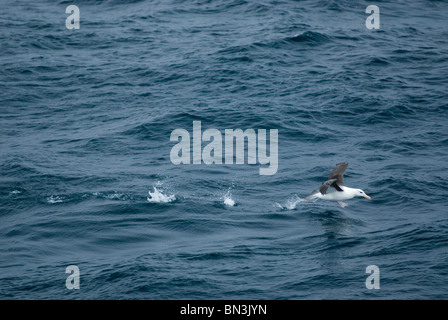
{"points": [[86, 177]]}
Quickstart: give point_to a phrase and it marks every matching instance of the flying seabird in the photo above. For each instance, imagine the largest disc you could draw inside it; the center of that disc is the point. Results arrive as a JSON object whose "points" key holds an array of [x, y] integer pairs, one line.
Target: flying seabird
{"points": [[334, 190]]}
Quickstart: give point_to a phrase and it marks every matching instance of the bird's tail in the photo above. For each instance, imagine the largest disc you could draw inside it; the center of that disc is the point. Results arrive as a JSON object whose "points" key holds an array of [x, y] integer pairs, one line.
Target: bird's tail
{"points": [[313, 196]]}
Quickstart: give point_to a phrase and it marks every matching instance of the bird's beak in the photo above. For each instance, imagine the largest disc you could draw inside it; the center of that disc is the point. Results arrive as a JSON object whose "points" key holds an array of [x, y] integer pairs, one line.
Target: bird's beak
{"points": [[367, 197]]}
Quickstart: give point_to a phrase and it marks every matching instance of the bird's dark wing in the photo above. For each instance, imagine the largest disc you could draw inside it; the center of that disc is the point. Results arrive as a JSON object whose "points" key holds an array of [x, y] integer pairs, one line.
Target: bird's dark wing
{"points": [[338, 172], [327, 184]]}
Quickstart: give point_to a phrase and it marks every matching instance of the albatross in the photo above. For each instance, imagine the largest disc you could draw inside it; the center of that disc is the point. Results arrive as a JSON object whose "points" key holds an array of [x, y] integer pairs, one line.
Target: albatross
{"points": [[334, 189]]}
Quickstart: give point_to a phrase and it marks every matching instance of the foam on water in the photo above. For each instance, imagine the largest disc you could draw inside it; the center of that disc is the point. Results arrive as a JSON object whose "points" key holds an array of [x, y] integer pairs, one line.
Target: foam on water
{"points": [[55, 199]]}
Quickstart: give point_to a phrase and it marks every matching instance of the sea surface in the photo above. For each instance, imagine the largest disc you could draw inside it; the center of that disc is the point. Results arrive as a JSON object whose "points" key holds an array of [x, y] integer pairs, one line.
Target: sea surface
{"points": [[86, 177]]}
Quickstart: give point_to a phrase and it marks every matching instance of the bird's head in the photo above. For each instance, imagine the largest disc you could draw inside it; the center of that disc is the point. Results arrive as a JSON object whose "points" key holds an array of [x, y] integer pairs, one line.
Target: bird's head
{"points": [[361, 193]]}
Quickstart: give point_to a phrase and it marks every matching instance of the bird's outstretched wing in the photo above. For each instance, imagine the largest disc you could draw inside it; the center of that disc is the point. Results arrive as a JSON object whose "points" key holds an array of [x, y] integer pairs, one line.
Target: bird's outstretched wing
{"points": [[338, 172], [327, 184]]}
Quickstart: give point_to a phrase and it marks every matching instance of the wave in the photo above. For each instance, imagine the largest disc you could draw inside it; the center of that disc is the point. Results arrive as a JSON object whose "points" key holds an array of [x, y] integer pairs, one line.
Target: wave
{"points": [[111, 196], [84, 196], [310, 37]]}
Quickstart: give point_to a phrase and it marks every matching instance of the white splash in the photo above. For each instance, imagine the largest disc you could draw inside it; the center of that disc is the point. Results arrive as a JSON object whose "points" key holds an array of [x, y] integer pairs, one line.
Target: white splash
{"points": [[159, 197], [228, 201], [291, 203]]}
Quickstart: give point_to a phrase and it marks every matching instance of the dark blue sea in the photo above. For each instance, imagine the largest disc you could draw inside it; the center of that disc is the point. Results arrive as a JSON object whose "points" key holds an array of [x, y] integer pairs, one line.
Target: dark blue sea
{"points": [[86, 177]]}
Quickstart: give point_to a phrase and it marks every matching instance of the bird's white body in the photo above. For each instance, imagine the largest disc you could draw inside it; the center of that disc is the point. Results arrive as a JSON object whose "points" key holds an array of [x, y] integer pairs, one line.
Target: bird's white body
{"points": [[345, 194]]}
